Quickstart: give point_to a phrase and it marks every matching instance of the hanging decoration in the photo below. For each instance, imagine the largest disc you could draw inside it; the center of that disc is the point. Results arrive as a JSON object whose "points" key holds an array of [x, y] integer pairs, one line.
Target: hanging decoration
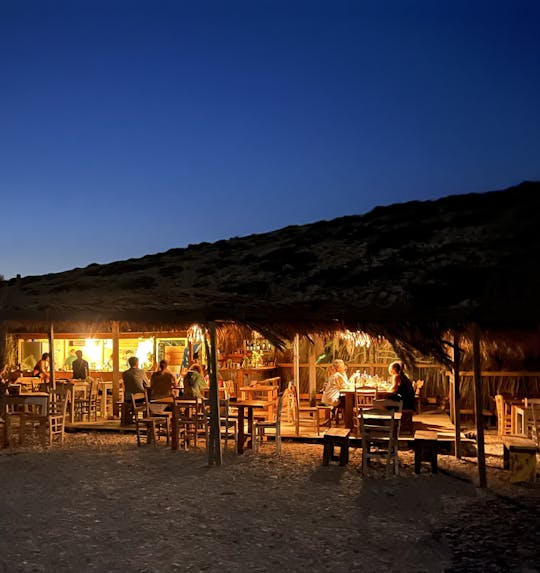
{"points": [[195, 334], [356, 338]]}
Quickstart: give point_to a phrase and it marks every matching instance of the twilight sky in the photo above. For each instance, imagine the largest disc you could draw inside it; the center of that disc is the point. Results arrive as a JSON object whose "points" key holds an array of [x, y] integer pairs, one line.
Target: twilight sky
{"points": [[132, 127]]}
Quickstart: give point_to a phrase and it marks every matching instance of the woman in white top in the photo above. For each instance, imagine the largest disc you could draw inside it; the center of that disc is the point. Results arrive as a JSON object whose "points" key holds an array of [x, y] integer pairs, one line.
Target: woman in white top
{"points": [[336, 382]]}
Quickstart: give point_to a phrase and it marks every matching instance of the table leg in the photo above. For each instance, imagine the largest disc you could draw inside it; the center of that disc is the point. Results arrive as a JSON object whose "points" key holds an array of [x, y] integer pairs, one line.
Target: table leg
{"points": [[103, 408], [417, 456], [241, 435], [348, 413], [174, 427], [250, 427], [72, 405]]}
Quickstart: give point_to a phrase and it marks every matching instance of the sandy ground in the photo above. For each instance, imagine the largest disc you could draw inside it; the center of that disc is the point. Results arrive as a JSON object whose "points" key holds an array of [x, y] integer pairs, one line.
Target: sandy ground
{"points": [[102, 504]]}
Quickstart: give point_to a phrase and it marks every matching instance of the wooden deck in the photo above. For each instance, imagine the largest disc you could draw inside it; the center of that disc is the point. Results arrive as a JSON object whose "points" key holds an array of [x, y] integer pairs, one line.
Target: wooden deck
{"points": [[425, 421]]}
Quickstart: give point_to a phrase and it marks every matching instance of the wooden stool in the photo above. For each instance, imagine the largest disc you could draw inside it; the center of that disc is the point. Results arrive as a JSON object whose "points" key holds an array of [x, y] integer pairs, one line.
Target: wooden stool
{"points": [[519, 456], [425, 449], [336, 437]]}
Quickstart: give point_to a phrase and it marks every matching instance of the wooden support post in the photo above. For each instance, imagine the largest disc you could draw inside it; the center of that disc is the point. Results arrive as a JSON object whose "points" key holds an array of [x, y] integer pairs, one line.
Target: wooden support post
{"points": [[478, 406], [115, 328], [312, 376], [52, 380], [214, 442], [457, 398], [296, 376]]}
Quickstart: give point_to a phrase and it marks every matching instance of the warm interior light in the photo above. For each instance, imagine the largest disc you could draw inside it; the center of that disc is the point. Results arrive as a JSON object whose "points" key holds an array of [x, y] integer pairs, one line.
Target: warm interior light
{"points": [[92, 351], [358, 338], [195, 334], [145, 352]]}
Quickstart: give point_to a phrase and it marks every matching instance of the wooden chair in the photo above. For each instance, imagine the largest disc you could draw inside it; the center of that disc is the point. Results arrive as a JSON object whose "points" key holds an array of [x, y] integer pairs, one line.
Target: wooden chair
{"points": [[147, 423], [230, 391], [86, 405], [362, 401], [535, 430], [379, 439], [226, 422], [193, 422], [418, 385], [303, 413], [14, 414], [504, 416], [56, 420], [32, 422], [260, 427]]}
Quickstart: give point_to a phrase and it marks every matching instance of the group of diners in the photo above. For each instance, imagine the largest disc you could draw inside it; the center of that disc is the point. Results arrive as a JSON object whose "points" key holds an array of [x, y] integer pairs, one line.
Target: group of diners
{"points": [[402, 389], [162, 383]]}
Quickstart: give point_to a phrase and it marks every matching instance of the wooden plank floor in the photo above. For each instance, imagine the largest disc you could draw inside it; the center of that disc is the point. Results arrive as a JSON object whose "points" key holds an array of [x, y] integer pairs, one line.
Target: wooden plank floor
{"points": [[425, 421]]}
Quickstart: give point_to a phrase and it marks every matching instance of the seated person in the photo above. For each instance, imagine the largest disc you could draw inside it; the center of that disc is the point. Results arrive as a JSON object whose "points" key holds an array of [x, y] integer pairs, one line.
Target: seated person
{"points": [[194, 383], [402, 388], [41, 369], [337, 381], [162, 382], [135, 380]]}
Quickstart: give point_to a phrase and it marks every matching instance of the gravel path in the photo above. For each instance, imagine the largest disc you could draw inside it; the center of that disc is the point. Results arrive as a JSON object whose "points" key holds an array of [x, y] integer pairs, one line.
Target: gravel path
{"points": [[100, 504]]}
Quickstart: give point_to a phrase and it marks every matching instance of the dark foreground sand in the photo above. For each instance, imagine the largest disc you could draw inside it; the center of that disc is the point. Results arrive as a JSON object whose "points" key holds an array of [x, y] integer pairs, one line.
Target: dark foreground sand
{"points": [[102, 504]]}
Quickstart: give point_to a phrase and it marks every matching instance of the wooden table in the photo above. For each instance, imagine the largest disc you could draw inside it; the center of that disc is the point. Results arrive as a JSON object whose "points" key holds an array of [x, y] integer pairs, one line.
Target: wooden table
{"points": [[261, 392], [40, 399], [177, 403], [242, 406], [103, 386], [73, 386]]}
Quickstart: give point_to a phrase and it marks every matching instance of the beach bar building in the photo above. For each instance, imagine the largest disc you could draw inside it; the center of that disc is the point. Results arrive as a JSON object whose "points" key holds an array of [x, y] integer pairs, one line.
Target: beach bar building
{"points": [[454, 280]]}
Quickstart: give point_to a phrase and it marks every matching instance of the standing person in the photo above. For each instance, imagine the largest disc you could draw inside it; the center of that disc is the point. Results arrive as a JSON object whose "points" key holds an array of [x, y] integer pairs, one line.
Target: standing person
{"points": [[81, 370], [402, 388], [68, 364], [135, 379], [41, 368]]}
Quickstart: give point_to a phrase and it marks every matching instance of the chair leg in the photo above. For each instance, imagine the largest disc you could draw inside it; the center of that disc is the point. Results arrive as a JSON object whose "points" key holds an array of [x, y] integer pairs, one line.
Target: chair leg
{"points": [[254, 439], [365, 452]]}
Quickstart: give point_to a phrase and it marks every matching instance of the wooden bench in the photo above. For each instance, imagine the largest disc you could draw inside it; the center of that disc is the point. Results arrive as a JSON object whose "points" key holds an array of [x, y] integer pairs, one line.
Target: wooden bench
{"points": [[427, 444], [468, 414], [519, 456], [407, 426], [425, 448], [336, 437]]}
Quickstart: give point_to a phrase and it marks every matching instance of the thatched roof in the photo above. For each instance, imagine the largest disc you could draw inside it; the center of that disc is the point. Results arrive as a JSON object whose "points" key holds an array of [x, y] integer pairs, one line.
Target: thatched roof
{"points": [[408, 271]]}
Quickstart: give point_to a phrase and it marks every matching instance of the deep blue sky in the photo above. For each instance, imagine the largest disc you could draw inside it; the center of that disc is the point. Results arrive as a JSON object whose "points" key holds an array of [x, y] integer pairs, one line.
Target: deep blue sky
{"points": [[128, 128]]}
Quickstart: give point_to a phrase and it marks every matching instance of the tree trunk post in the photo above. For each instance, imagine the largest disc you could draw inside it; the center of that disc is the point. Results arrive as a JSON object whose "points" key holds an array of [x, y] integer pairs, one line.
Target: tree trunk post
{"points": [[296, 377], [478, 406], [115, 328], [214, 442], [312, 376], [52, 380], [457, 398]]}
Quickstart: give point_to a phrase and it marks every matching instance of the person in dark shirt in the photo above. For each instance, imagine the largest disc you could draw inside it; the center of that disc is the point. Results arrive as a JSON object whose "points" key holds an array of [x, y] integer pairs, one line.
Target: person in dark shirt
{"points": [[81, 371], [402, 388]]}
